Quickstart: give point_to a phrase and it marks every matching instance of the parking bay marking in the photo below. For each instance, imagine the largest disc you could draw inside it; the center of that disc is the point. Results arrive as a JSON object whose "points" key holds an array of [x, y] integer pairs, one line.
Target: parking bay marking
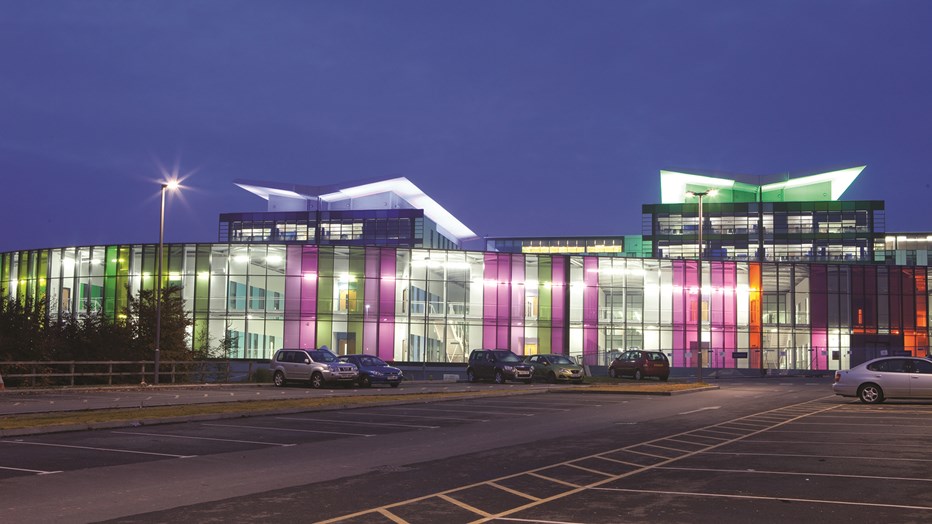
{"points": [[290, 429], [36, 471], [754, 497], [700, 409], [447, 410], [506, 515], [415, 416], [358, 422], [203, 438], [91, 448]]}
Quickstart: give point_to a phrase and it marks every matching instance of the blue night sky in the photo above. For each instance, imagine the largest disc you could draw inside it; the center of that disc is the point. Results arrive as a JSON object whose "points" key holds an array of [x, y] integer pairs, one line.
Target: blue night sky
{"points": [[521, 117]]}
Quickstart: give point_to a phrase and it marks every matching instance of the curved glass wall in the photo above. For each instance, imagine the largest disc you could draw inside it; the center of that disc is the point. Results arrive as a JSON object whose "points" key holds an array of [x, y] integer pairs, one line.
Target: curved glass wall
{"points": [[416, 305]]}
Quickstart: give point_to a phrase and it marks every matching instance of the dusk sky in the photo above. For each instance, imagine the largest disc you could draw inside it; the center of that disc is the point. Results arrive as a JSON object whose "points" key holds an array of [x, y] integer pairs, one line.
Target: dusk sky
{"points": [[524, 118]]}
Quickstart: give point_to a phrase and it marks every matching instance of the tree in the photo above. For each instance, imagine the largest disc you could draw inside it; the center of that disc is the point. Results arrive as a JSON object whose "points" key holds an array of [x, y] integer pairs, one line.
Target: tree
{"points": [[140, 313]]}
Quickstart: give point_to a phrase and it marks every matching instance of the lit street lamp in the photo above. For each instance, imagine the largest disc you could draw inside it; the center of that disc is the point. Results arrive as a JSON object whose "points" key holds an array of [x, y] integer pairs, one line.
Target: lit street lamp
{"points": [[171, 185], [699, 195]]}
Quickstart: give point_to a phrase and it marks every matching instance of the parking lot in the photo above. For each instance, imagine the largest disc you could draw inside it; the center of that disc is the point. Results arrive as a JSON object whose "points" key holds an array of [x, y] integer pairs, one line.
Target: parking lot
{"points": [[826, 459], [766, 451]]}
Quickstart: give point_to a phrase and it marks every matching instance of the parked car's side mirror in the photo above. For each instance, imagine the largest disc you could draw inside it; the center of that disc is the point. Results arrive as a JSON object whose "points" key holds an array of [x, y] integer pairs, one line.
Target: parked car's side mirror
{"points": [[307, 360]]}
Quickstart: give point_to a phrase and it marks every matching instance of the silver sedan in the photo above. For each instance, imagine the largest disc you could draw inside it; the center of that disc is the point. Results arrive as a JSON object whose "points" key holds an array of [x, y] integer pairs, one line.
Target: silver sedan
{"points": [[889, 377]]}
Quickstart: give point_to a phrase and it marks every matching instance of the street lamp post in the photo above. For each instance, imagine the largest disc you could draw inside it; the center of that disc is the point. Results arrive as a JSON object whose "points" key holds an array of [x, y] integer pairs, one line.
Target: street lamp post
{"points": [[699, 195], [171, 186]]}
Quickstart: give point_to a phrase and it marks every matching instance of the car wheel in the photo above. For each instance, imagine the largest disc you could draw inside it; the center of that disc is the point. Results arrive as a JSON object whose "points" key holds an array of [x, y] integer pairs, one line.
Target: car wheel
{"points": [[395, 384], [470, 375], [499, 377], [317, 380], [664, 379], [612, 372], [638, 375], [365, 381], [870, 394], [278, 379], [552, 378]]}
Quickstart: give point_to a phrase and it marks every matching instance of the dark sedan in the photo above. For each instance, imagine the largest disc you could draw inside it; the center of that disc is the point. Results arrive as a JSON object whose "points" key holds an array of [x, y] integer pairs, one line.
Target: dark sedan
{"points": [[373, 370]]}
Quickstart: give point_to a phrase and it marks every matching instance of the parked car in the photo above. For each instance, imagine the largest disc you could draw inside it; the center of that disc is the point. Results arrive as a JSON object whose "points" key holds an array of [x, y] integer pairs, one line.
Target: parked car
{"points": [[639, 364], [555, 368], [499, 365], [373, 370], [315, 366], [889, 377]]}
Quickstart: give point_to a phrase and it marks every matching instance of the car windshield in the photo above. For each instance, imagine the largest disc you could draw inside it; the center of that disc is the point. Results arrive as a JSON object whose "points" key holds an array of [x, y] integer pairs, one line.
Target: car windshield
{"points": [[507, 356], [656, 356], [372, 361], [322, 355], [561, 360]]}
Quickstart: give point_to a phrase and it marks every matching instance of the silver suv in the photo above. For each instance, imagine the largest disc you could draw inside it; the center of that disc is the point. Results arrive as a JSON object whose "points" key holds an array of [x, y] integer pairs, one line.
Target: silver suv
{"points": [[315, 366]]}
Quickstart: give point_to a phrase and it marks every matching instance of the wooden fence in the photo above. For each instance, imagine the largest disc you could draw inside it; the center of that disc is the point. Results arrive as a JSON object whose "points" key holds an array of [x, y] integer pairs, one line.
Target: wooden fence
{"points": [[71, 373]]}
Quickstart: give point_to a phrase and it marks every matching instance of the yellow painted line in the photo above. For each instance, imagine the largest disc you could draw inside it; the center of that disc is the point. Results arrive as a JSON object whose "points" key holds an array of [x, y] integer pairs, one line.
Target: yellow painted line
{"points": [[678, 450], [465, 506], [598, 484], [557, 481], [781, 499], [391, 516], [579, 488], [696, 433], [632, 450], [512, 491], [590, 470], [691, 443], [621, 462]]}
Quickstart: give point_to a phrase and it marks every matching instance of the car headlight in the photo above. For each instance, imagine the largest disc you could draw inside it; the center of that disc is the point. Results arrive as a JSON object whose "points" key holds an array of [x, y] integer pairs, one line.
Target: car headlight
{"points": [[509, 368], [375, 373]]}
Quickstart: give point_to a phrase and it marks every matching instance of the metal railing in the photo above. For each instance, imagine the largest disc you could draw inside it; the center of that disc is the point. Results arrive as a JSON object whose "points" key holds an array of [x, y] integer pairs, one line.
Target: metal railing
{"points": [[110, 372]]}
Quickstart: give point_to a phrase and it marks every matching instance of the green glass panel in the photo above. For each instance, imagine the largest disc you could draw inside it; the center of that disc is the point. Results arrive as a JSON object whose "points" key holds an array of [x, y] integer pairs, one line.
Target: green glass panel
{"points": [[122, 280], [202, 278], [325, 305], [43, 274], [544, 323], [110, 285]]}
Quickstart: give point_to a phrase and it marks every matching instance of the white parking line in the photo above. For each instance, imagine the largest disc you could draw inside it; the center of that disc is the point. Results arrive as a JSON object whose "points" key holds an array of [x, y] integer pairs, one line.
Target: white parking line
{"points": [[754, 497], [367, 413], [884, 424], [815, 455], [515, 407], [887, 445], [795, 473], [700, 409], [109, 450], [203, 438], [37, 471], [460, 410], [360, 423], [266, 428]]}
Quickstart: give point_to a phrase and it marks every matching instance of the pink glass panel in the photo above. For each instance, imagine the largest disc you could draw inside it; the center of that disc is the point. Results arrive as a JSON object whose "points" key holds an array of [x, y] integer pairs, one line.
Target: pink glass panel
{"points": [[489, 299], [517, 304], [558, 297], [386, 313], [308, 333], [590, 308]]}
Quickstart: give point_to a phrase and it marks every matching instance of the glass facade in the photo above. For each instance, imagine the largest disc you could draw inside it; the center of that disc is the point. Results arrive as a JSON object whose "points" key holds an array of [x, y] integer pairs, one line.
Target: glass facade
{"points": [[414, 305], [767, 231], [392, 227]]}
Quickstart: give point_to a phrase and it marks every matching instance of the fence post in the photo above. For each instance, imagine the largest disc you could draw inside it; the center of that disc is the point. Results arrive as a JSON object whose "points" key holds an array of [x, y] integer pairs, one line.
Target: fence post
{"points": [[173, 371], [143, 373], [72, 373], [249, 373], [110, 373]]}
